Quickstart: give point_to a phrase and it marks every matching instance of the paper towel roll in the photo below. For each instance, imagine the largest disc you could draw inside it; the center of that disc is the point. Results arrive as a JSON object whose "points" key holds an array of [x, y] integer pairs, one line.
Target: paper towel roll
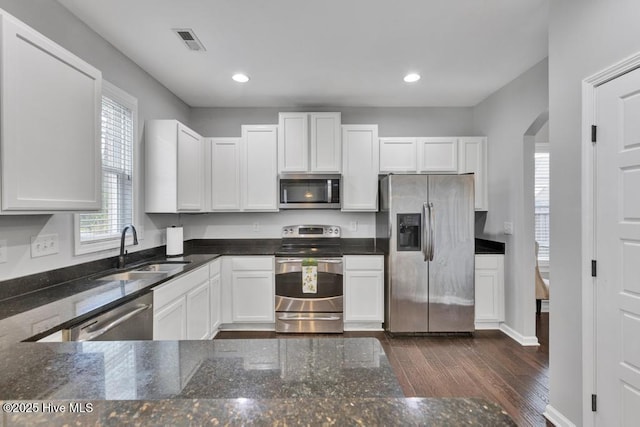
{"points": [[174, 241]]}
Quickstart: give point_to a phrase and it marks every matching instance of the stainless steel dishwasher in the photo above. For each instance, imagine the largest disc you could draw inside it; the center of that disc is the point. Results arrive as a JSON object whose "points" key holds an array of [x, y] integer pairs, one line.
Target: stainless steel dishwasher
{"points": [[130, 321]]}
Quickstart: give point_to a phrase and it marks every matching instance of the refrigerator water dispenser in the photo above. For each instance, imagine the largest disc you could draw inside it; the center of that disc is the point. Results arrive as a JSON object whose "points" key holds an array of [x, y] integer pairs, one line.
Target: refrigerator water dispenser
{"points": [[409, 232]]}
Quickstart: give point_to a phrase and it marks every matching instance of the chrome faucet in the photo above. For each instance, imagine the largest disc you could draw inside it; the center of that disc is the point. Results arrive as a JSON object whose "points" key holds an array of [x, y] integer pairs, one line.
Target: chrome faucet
{"points": [[123, 253]]}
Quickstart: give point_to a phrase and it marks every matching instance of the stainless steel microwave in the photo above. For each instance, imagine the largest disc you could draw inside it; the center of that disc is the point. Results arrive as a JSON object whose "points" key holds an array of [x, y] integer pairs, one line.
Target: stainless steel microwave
{"points": [[309, 191]]}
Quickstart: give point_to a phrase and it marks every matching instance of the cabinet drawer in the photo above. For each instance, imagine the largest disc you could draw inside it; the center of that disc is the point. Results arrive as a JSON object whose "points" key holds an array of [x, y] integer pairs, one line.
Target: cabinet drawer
{"points": [[487, 262], [214, 268], [364, 262], [173, 289], [252, 263]]}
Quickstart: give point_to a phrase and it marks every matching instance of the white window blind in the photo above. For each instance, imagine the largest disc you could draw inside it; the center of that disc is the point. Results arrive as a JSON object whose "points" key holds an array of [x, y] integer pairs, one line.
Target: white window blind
{"points": [[118, 128], [542, 203]]}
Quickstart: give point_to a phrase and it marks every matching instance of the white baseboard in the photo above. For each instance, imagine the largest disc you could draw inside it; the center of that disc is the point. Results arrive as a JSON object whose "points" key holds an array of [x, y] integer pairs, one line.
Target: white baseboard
{"points": [[521, 339], [481, 325], [556, 418]]}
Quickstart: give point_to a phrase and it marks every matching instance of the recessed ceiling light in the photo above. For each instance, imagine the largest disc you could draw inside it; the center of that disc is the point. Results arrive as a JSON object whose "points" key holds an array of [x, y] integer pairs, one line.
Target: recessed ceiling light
{"points": [[411, 78], [240, 78]]}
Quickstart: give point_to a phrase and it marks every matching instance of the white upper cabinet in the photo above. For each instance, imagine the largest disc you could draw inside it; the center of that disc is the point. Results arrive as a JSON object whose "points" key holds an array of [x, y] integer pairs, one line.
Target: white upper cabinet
{"points": [[50, 134], [293, 142], [398, 155], [438, 154], [326, 144], [260, 168], [472, 158], [360, 158], [225, 164], [309, 142], [174, 178]]}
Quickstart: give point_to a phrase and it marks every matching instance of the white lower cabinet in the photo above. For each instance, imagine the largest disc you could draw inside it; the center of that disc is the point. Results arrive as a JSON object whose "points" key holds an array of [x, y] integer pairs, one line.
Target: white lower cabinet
{"points": [[182, 307], [247, 292], [199, 312], [363, 291], [253, 289], [489, 278], [215, 286], [170, 321]]}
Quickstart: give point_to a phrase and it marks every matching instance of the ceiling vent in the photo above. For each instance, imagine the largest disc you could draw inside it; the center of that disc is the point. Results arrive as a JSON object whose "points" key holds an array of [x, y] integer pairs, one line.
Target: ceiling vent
{"points": [[189, 38]]}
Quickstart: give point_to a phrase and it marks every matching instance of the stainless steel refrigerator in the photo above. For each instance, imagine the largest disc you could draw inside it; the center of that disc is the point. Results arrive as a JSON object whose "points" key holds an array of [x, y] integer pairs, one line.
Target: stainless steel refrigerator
{"points": [[426, 226]]}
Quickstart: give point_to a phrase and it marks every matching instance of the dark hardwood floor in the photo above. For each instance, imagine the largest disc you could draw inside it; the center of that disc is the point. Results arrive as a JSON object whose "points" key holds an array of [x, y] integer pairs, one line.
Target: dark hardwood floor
{"points": [[488, 364]]}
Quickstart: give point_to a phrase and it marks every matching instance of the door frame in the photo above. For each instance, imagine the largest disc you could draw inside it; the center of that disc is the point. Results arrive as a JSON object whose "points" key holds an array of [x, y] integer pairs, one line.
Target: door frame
{"points": [[589, 116]]}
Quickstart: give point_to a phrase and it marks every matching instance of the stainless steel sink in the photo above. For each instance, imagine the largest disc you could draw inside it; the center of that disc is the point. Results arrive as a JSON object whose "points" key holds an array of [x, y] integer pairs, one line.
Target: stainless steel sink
{"points": [[168, 267], [151, 272], [135, 275]]}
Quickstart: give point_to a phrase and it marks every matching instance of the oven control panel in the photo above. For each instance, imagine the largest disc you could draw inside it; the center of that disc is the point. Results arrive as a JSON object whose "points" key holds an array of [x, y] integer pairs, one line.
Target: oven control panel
{"points": [[310, 231]]}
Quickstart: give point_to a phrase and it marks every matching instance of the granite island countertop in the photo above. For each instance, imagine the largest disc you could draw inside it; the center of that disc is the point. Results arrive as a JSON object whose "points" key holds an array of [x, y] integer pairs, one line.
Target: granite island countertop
{"points": [[297, 381]]}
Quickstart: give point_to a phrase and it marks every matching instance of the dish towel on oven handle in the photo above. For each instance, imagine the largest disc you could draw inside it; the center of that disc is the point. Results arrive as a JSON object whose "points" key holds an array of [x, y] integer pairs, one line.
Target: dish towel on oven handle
{"points": [[309, 276]]}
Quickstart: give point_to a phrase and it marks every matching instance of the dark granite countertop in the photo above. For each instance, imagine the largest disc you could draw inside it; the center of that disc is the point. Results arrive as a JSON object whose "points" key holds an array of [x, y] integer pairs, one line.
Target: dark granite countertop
{"points": [[41, 312], [220, 369], [485, 247], [286, 381], [281, 412]]}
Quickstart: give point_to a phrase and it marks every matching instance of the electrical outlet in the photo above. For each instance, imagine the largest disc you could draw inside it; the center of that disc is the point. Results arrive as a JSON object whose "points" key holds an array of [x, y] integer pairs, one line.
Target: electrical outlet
{"points": [[3, 251], [508, 227], [45, 244], [256, 226], [353, 226]]}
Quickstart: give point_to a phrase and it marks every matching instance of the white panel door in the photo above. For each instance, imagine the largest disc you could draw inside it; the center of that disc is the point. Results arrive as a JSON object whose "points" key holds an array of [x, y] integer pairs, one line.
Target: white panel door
{"points": [[190, 170], [293, 142], [260, 171], [472, 158], [398, 155], [169, 321], [438, 155], [253, 296], [618, 252], [50, 106], [225, 174], [326, 146], [360, 166], [199, 312]]}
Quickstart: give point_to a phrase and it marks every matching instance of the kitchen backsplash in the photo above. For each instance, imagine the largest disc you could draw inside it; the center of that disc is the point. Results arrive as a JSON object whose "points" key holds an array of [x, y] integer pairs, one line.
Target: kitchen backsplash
{"points": [[269, 225]]}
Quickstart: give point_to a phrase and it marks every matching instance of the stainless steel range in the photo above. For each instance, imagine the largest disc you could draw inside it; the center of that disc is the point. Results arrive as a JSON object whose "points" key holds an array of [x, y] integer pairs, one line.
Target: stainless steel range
{"points": [[309, 280]]}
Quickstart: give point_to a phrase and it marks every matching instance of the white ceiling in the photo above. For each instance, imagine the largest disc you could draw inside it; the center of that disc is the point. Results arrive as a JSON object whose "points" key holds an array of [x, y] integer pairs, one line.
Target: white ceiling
{"points": [[326, 52]]}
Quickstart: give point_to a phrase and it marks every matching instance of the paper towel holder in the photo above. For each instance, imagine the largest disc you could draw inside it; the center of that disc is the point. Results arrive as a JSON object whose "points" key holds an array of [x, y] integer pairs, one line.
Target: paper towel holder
{"points": [[175, 241]]}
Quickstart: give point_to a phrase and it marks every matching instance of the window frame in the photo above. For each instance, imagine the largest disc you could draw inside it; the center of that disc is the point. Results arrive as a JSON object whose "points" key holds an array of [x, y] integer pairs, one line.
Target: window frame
{"points": [[543, 147], [81, 248]]}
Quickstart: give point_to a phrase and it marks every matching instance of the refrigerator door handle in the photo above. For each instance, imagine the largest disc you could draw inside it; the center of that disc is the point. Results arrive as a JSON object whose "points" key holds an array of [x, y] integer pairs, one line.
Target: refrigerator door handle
{"points": [[432, 226], [426, 233]]}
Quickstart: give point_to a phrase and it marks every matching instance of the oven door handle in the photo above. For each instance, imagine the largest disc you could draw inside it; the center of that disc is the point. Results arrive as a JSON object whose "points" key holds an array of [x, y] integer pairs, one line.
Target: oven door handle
{"points": [[325, 260], [304, 317]]}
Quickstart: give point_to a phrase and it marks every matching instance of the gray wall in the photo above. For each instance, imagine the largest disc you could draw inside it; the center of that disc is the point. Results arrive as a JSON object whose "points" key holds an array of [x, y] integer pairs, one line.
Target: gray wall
{"points": [[505, 117], [391, 121], [154, 101], [584, 38]]}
